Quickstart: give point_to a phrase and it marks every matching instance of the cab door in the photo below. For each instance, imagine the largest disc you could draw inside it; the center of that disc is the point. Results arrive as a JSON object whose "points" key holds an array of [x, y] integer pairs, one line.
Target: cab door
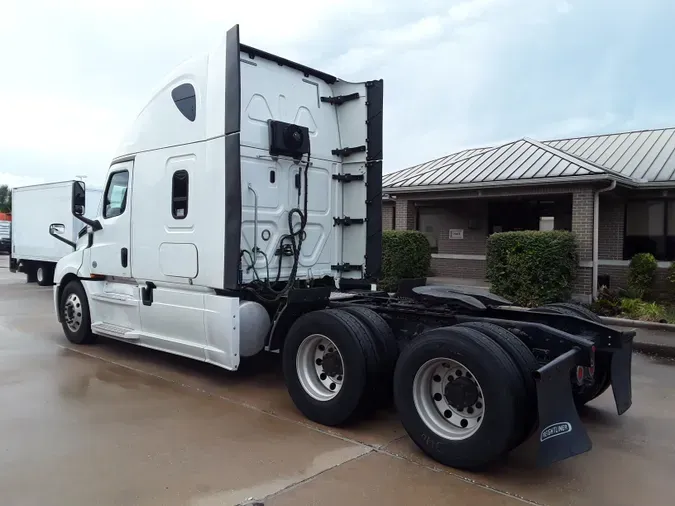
{"points": [[109, 255]]}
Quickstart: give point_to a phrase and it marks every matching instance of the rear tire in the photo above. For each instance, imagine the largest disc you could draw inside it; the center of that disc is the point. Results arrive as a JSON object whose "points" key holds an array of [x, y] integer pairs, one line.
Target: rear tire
{"points": [[75, 317], [435, 421], [527, 364], [30, 274], [387, 349], [336, 392]]}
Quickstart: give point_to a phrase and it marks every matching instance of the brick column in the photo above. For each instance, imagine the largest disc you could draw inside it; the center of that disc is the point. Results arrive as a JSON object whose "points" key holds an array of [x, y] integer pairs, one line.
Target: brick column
{"points": [[611, 226], [405, 215], [387, 216], [582, 226]]}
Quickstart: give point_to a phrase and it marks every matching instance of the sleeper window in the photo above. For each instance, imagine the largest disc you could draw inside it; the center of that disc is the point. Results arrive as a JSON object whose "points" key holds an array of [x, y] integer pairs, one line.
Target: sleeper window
{"points": [[116, 194], [186, 101], [179, 194]]}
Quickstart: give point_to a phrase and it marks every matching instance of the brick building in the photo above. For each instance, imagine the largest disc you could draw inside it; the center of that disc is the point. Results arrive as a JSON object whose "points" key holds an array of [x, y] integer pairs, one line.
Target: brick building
{"points": [[616, 192]]}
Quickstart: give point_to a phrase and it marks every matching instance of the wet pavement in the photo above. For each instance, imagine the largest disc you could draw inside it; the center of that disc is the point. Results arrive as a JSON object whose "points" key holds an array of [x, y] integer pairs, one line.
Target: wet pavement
{"points": [[116, 424]]}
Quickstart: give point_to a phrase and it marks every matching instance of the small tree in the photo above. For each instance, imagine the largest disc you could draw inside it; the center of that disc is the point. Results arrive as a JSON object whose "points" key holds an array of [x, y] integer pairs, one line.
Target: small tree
{"points": [[5, 199]]}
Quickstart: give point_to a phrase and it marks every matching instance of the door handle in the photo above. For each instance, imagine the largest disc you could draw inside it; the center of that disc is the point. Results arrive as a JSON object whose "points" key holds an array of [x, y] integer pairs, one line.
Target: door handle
{"points": [[124, 254]]}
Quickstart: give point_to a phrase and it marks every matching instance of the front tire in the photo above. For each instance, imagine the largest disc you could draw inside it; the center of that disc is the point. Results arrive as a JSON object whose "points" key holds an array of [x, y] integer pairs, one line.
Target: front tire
{"points": [[75, 317], [457, 394]]}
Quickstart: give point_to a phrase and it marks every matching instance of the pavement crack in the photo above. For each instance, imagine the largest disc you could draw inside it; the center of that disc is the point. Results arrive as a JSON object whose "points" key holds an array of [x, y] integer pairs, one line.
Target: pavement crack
{"points": [[307, 479], [447, 470]]}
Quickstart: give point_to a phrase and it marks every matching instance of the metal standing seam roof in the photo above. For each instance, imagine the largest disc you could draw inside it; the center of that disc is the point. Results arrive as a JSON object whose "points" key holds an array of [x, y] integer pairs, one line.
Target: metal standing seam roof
{"points": [[646, 155], [391, 178], [632, 157]]}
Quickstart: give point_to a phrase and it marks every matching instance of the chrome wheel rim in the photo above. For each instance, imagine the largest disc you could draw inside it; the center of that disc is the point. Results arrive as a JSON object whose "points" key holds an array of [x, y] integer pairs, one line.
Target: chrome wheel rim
{"points": [[40, 275], [448, 399], [72, 312], [320, 367]]}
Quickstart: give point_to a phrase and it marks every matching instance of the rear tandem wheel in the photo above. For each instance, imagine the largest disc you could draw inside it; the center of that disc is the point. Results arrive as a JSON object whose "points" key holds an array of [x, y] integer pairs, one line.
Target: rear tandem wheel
{"points": [[331, 366], [459, 396], [526, 363]]}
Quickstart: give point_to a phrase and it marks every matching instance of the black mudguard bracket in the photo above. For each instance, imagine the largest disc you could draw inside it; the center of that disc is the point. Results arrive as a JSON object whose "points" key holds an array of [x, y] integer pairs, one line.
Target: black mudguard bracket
{"points": [[620, 373]]}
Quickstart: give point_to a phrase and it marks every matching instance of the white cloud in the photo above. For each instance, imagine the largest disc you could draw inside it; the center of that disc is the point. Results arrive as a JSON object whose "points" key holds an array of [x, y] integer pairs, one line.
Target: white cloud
{"points": [[12, 180], [563, 7], [470, 10], [457, 73]]}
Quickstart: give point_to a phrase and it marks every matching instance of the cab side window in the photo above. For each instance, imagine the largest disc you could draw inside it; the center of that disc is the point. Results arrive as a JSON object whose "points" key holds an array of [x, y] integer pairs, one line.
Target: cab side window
{"points": [[116, 194]]}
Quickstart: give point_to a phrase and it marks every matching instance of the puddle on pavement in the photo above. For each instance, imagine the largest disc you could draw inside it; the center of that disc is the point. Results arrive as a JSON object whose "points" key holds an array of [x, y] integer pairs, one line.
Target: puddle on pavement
{"points": [[319, 464]]}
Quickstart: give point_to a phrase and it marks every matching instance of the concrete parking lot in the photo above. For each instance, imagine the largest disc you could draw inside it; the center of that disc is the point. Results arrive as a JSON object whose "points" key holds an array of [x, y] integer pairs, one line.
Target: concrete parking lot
{"points": [[116, 424]]}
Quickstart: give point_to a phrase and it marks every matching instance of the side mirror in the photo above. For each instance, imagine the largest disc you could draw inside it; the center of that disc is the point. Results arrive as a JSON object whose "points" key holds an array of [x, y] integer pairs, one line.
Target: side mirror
{"points": [[56, 229], [78, 200], [77, 206]]}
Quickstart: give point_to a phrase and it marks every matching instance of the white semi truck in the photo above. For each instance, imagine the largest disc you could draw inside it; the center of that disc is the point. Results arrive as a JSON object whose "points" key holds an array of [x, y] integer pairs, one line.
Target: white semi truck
{"points": [[242, 214], [38, 212]]}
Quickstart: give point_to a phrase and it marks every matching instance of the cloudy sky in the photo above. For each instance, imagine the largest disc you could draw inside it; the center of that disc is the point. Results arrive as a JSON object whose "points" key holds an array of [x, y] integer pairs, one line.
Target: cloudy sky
{"points": [[458, 73]]}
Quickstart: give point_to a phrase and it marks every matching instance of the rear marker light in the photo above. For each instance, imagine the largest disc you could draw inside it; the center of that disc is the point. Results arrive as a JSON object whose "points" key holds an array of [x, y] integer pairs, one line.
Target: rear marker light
{"points": [[580, 374]]}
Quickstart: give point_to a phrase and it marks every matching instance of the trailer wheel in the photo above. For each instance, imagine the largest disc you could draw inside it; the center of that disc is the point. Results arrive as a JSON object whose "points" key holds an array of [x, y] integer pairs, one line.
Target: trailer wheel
{"points": [[526, 363], [44, 275], [31, 276], [585, 393], [330, 366], [386, 345], [76, 320], [455, 391]]}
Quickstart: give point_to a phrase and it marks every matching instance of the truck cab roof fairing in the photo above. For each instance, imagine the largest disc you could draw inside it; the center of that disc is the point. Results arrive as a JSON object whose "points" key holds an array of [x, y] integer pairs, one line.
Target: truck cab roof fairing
{"points": [[233, 209]]}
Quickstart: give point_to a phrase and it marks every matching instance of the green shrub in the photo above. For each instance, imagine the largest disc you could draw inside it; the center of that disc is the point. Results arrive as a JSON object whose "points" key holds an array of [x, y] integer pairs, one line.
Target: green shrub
{"points": [[532, 268], [637, 309], [671, 277], [405, 254], [641, 273]]}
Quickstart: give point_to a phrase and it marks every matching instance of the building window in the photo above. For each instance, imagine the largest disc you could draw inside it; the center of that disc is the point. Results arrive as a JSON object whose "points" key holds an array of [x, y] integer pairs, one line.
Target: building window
{"points": [[185, 99], [650, 228]]}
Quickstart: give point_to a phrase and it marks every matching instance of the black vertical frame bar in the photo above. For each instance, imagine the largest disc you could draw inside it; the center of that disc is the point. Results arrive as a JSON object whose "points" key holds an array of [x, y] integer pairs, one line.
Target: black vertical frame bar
{"points": [[374, 147], [232, 160]]}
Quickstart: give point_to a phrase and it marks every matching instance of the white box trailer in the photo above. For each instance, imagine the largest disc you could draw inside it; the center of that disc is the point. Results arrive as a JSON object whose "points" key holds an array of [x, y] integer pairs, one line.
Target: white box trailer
{"points": [[34, 208]]}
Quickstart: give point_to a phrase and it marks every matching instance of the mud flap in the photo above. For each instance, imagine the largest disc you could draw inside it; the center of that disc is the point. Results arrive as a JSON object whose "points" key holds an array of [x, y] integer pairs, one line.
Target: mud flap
{"points": [[620, 371], [561, 434]]}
